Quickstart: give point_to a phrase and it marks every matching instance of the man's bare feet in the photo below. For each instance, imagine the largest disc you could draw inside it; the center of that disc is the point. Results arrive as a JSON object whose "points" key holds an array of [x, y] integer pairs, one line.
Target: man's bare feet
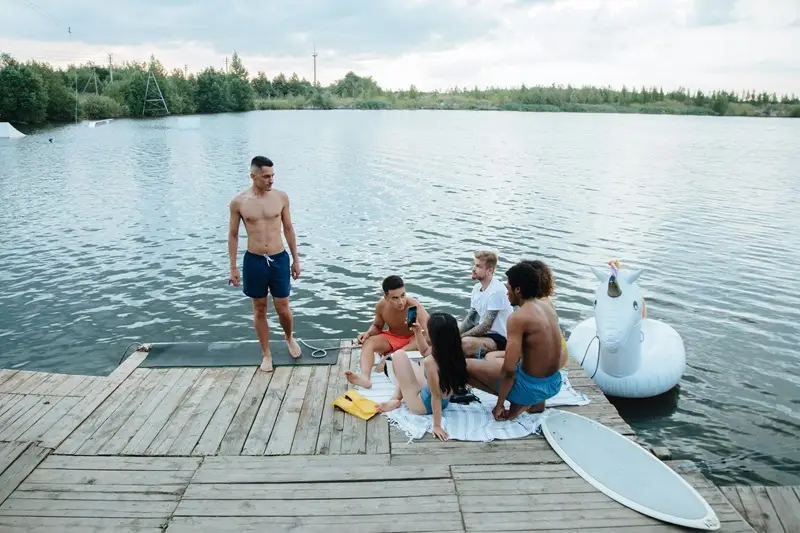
{"points": [[514, 411], [358, 379], [391, 405], [266, 363], [294, 348], [535, 409], [381, 364]]}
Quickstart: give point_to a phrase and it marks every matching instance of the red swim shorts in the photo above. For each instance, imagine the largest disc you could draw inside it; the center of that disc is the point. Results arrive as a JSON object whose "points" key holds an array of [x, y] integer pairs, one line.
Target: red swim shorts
{"points": [[396, 341]]}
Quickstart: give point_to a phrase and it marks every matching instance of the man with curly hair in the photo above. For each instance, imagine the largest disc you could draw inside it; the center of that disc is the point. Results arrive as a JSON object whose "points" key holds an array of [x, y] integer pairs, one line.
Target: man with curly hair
{"points": [[528, 372]]}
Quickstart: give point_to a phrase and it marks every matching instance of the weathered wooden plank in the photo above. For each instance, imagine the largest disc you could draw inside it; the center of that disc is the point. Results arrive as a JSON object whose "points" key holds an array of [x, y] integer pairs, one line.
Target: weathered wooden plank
{"points": [[308, 425], [425, 447], [215, 431], [354, 432], [131, 427], [5, 375], [236, 435], [294, 475], [513, 471], [309, 491], [14, 382], [40, 408], [183, 412], [175, 489], [29, 385], [79, 462], [264, 422], [733, 497], [110, 477], [56, 493], [49, 384], [16, 411], [316, 507], [787, 506], [90, 508], [139, 443], [753, 513], [145, 380], [9, 452], [464, 457], [74, 385], [186, 441], [7, 401], [90, 402], [329, 440], [23, 465], [51, 418], [770, 514], [388, 522], [81, 435], [378, 434], [565, 501], [81, 524], [280, 441], [274, 462]]}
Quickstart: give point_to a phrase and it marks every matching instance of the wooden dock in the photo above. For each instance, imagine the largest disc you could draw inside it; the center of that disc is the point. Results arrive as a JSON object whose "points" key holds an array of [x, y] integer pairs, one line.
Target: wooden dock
{"points": [[767, 509], [233, 449]]}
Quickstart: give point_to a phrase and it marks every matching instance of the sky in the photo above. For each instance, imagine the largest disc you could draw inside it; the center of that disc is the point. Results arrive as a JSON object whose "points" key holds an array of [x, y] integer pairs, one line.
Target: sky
{"points": [[433, 44]]}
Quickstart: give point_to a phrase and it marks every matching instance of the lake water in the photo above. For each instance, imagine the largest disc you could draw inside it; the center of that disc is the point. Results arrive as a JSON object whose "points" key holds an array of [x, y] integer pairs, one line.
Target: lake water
{"points": [[117, 234]]}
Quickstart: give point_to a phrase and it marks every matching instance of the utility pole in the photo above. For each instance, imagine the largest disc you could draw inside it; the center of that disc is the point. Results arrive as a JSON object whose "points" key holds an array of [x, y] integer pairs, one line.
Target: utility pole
{"points": [[226, 64], [315, 65], [69, 30], [111, 67]]}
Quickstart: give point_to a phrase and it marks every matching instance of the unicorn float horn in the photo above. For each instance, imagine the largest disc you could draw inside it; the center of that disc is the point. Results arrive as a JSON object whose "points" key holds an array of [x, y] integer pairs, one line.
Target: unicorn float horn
{"points": [[614, 289]]}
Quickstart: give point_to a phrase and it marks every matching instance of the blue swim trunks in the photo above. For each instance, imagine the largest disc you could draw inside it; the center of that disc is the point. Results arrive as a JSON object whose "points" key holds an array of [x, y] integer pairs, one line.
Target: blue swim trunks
{"points": [[528, 390], [425, 396], [262, 273]]}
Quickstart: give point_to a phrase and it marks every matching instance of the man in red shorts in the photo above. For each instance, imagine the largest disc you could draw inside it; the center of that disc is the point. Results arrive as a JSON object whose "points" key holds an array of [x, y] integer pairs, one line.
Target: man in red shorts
{"points": [[391, 310]]}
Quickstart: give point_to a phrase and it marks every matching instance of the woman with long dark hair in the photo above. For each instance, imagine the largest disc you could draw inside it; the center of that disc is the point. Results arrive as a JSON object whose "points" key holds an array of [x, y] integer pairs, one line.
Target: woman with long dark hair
{"points": [[427, 388]]}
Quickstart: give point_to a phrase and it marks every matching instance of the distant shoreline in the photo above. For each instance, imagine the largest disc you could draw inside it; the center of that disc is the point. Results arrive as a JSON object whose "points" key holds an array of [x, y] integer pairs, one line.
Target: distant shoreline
{"points": [[37, 94]]}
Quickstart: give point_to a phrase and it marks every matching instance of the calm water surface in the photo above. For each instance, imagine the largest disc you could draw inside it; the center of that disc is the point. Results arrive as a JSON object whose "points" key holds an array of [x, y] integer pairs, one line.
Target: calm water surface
{"points": [[117, 234]]}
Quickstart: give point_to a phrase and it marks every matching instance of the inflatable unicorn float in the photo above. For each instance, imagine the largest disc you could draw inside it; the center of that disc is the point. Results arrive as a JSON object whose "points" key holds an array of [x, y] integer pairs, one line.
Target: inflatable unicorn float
{"points": [[627, 354]]}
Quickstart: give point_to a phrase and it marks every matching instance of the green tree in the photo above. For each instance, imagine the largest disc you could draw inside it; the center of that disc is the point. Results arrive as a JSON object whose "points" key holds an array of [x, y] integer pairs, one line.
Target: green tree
{"points": [[23, 95]]}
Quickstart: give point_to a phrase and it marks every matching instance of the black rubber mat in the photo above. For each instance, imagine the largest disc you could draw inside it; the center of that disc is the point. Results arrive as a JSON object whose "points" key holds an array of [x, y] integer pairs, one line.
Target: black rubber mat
{"points": [[218, 354]]}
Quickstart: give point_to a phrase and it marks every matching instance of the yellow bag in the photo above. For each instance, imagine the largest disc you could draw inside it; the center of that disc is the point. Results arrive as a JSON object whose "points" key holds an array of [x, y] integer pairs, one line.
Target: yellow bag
{"points": [[352, 402]]}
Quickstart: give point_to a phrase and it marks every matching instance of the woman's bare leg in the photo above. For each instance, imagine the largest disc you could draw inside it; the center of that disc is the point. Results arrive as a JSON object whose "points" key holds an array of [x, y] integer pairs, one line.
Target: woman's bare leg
{"points": [[408, 383]]}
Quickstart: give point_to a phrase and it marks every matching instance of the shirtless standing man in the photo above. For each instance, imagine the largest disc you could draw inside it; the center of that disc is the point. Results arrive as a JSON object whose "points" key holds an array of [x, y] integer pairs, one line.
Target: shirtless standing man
{"points": [[391, 310], [266, 264], [528, 374]]}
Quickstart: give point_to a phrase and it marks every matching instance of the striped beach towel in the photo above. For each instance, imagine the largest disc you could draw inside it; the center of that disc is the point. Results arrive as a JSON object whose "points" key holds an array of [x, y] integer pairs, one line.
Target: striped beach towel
{"points": [[470, 422]]}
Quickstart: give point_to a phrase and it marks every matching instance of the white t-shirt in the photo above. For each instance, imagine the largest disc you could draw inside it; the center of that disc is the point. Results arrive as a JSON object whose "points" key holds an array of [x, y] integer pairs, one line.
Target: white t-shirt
{"points": [[494, 298]]}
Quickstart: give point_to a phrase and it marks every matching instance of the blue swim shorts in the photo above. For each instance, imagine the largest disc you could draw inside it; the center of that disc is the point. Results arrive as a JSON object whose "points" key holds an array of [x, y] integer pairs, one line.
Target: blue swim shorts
{"points": [[262, 273], [529, 390], [425, 396]]}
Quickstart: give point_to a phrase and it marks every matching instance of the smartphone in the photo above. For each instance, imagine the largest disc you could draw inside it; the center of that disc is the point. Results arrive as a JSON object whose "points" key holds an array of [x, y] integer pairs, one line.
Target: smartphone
{"points": [[412, 315]]}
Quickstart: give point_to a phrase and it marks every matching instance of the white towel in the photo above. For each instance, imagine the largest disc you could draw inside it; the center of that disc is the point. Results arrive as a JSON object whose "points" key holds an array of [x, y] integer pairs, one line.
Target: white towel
{"points": [[470, 422]]}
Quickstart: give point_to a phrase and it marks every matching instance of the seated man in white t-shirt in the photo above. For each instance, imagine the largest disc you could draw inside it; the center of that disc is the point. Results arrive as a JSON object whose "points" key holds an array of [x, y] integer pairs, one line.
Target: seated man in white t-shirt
{"points": [[484, 328]]}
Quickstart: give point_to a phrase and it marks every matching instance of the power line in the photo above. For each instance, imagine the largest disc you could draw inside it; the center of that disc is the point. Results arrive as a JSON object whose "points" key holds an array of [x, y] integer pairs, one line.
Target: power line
{"points": [[47, 15]]}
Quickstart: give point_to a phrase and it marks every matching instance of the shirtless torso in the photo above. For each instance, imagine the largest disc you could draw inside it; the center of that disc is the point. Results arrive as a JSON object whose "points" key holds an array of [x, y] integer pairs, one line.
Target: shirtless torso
{"points": [[537, 323], [262, 217], [395, 318]]}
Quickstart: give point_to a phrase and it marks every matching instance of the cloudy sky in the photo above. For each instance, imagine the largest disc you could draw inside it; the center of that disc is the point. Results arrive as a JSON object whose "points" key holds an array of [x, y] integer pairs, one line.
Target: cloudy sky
{"points": [[706, 44]]}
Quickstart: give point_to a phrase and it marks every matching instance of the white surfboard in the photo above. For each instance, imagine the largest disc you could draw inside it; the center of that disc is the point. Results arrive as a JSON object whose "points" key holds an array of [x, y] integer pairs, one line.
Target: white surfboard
{"points": [[626, 472]]}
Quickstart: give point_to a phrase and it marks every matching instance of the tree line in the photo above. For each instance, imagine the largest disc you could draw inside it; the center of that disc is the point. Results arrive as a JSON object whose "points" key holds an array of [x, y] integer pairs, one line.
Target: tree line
{"points": [[34, 92]]}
